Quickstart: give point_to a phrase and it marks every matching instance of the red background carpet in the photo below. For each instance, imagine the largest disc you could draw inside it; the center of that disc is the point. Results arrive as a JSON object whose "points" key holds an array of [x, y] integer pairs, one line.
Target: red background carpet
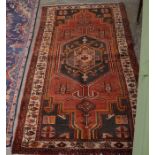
{"points": [[80, 94]]}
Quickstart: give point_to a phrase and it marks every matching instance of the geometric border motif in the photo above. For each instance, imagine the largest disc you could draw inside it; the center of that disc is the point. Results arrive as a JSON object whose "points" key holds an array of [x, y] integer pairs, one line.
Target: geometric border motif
{"points": [[128, 61], [20, 23]]}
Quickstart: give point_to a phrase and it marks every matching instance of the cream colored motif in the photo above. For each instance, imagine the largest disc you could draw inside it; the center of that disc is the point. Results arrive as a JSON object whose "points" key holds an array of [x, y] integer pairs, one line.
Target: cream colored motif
{"points": [[38, 81]]}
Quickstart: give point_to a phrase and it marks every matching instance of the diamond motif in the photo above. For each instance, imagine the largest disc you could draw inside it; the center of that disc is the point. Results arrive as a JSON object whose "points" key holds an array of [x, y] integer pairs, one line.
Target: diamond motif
{"points": [[86, 106], [84, 59]]}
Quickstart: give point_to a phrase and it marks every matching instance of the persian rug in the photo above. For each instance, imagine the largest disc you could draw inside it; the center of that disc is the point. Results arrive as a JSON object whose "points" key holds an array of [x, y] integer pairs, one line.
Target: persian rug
{"points": [[19, 31], [81, 88]]}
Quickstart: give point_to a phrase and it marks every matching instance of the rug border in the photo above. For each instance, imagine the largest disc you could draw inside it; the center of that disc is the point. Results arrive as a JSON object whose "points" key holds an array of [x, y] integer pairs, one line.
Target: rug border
{"points": [[21, 82], [17, 140], [130, 42]]}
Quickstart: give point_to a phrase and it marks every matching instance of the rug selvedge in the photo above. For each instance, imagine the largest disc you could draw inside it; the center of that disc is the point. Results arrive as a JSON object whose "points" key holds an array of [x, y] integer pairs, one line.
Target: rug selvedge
{"points": [[92, 92]]}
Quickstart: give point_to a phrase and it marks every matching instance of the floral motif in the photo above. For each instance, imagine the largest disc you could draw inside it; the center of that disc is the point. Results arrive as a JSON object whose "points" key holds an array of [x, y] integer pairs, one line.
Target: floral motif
{"points": [[19, 24]]}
